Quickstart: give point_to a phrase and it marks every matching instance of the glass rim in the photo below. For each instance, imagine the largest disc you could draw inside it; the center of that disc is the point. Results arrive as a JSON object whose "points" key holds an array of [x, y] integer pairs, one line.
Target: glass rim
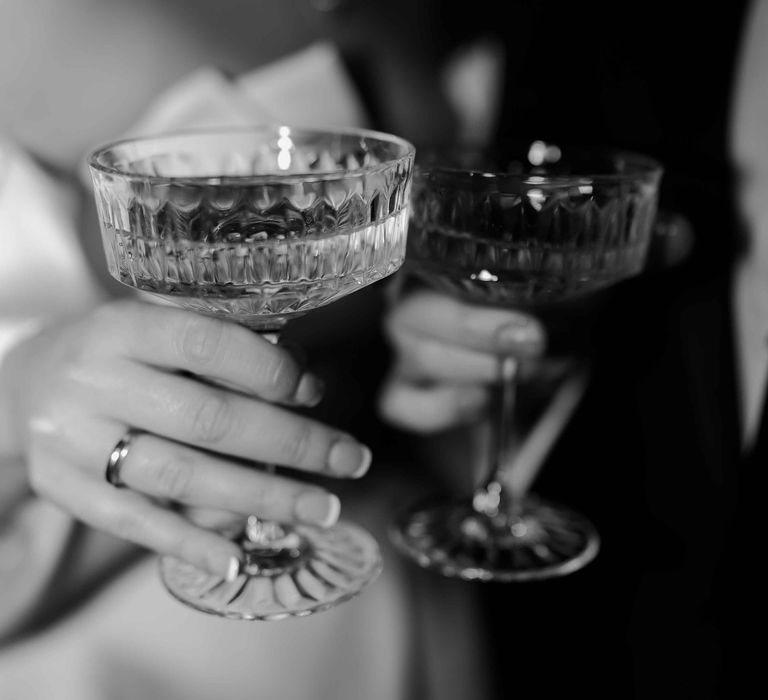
{"points": [[407, 148], [641, 165]]}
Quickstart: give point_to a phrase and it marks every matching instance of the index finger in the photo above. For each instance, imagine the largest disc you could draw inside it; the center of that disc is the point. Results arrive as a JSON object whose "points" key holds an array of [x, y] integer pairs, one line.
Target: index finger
{"points": [[426, 313], [214, 348]]}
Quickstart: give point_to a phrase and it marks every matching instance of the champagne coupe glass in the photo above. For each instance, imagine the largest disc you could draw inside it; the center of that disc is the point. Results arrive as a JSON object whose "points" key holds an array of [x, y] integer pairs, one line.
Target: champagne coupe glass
{"points": [[536, 229], [259, 226]]}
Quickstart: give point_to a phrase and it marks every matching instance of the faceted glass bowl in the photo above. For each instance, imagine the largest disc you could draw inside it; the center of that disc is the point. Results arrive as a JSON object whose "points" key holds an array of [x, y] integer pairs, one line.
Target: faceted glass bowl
{"points": [[259, 225], [498, 230]]}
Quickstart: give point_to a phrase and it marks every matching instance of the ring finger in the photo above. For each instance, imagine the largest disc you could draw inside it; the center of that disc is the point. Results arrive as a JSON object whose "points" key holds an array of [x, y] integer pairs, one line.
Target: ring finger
{"points": [[165, 469], [132, 516]]}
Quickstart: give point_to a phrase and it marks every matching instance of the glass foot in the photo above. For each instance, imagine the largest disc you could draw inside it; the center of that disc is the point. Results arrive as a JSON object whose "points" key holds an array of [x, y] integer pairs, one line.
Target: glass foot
{"points": [[541, 540], [323, 569]]}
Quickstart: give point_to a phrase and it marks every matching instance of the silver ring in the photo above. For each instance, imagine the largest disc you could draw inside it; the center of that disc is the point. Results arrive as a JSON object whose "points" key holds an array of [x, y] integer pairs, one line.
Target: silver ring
{"points": [[116, 459]]}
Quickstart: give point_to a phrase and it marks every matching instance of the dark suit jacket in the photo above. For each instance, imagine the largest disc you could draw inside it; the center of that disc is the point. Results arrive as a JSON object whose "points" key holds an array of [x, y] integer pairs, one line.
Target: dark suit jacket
{"points": [[653, 458], [653, 454]]}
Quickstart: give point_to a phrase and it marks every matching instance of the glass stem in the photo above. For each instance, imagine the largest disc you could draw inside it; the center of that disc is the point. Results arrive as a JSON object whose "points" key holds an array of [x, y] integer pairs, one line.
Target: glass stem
{"points": [[265, 534], [492, 496]]}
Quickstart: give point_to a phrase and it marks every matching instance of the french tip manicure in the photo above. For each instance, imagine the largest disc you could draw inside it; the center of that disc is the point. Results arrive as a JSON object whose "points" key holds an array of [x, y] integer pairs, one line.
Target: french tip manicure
{"points": [[349, 458], [233, 569], [317, 508], [334, 510], [365, 463], [309, 392]]}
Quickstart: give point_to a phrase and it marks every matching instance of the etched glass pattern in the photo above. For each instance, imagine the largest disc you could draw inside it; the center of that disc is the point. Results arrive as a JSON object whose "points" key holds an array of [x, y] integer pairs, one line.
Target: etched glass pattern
{"points": [[259, 226], [333, 567], [524, 240]]}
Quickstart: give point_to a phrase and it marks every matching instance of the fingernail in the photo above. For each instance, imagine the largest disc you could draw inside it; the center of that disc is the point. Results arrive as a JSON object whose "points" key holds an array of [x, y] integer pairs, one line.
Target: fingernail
{"points": [[349, 458], [517, 335], [318, 508], [233, 569], [309, 392]]}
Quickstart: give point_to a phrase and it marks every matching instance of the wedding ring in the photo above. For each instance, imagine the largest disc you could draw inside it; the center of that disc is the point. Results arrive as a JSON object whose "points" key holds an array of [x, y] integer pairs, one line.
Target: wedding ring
{"points": [[116, 459]]}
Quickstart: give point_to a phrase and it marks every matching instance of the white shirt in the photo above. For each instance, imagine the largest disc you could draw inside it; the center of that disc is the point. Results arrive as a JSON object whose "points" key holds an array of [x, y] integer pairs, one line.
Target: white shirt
{"points": [[749, 150]]}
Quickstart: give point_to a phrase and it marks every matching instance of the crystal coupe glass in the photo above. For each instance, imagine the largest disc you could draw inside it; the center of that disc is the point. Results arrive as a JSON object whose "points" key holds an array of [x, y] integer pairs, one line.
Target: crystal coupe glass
{"points": [[537, 229], [259, 226]]}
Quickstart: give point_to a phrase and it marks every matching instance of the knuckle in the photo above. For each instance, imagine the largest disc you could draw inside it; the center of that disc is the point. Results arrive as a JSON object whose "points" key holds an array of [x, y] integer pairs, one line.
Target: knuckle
{"points": [[103, 315], [389, 324], [416, 360], [395, 325], [127, 525], [280, 375], [185, 547], [90, 338], [193, 548], [200, 341], [211, 417], [387, 404], [465, 323], [175, 477], [398, 343], [44, 471], [107, 328], [110, 317], [36, 477], [395, 407], [264, 497], [296, 445]]}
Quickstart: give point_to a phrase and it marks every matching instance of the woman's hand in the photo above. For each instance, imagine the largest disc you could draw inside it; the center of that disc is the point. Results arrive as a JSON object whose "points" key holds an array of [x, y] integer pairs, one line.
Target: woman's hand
{"points": [[208, 397], [446, 358]]}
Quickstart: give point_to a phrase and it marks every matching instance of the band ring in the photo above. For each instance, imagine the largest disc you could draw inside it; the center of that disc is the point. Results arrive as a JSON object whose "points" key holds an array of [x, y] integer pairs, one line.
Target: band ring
{"points": [[116, 459]]}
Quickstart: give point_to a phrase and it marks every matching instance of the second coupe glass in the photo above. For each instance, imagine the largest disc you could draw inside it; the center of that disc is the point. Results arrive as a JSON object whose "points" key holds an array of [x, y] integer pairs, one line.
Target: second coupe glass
{"points": [[524, 229]]}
